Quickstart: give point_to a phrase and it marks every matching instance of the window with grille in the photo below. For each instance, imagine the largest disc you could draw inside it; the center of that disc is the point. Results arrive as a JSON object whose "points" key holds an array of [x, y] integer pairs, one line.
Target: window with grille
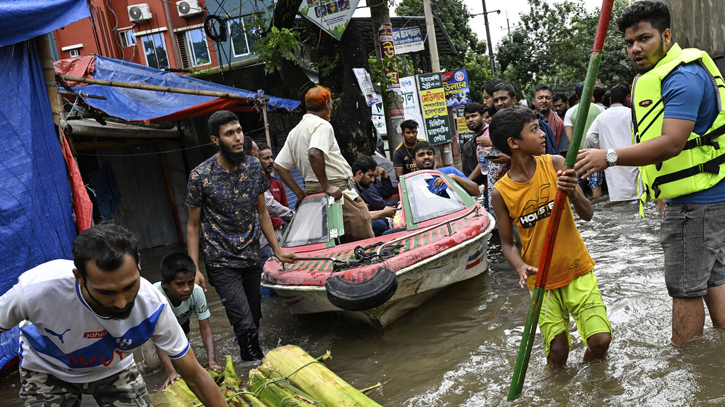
{"points": [[127, 38], [75, 52], [193, 48]]}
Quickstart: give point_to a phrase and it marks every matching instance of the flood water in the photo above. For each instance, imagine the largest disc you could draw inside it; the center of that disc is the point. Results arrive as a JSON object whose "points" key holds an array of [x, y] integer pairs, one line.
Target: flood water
{"points": [[459, 348]]}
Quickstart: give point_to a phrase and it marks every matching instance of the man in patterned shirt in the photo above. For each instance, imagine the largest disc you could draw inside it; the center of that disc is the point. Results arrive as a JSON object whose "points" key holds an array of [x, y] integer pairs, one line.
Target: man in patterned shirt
{"points": [[227, 213]]}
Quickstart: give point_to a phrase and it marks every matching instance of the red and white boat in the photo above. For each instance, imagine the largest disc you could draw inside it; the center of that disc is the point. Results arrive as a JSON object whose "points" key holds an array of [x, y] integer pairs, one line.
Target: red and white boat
{"points": [[380, 279]]}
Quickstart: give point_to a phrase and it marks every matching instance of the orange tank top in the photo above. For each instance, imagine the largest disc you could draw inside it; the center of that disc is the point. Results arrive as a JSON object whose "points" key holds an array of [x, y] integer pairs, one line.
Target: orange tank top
{"points": [[529, 205]]}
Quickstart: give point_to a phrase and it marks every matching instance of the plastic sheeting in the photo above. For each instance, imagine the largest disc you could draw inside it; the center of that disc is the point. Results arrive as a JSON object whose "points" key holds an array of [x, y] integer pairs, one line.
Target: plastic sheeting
{"points": [[36, 223], [145, 105], [22, 20]]}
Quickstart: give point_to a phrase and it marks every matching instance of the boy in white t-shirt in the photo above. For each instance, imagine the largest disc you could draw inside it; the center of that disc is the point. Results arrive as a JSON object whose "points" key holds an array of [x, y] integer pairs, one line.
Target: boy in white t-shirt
{"points": [[177, 285]]}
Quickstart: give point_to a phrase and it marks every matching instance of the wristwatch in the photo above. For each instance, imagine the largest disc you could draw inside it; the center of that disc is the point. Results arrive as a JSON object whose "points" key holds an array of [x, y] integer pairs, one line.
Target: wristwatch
{"points": [[611, 157]]}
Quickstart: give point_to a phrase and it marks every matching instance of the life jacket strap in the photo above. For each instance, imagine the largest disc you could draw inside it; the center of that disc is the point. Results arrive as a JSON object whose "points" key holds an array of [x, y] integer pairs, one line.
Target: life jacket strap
{"points": [[707, 139], [712, 167]]}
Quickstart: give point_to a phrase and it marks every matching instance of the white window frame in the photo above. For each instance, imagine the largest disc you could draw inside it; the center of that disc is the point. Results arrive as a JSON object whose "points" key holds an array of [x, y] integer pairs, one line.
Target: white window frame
{"points": [[127, 36], [244, 30], [75, 52], [157, 57], [190, 48]]}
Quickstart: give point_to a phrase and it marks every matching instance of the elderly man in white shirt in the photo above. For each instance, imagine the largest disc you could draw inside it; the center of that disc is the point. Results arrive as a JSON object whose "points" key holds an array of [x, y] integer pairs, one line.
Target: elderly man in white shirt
{"points": [[610, 130]]}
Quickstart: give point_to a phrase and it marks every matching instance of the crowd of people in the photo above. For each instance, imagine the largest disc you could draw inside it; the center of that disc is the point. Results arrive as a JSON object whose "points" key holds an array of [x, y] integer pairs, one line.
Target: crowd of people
{"points": [[81, 319]]}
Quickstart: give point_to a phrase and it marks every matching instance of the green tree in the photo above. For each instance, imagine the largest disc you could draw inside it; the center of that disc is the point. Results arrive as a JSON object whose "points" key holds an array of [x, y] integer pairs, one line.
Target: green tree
{"points": [[554, 43], [471, 51]]}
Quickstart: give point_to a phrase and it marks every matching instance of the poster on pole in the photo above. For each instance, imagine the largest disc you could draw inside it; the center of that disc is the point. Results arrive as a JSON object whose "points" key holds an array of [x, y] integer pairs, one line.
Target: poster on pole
{"points": [[462, 127], [455, 84], [331, 16], [410, 97], [387, 50], [433, 104], [408, 39], [366, 86]]}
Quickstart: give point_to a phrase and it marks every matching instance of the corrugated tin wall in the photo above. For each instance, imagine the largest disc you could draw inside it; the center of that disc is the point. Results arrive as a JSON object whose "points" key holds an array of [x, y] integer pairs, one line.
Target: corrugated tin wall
{"points": [[699, 24]]}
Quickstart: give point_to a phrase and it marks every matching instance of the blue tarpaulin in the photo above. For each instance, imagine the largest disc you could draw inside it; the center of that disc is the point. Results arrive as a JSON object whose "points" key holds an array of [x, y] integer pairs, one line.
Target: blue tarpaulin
{"points": [[22, 20], [36, 223], [144, 105]]}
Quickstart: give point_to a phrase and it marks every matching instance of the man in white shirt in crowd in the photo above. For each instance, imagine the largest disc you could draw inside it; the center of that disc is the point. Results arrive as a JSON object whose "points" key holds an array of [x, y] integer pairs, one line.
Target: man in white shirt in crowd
{"points": [[613, 129]]}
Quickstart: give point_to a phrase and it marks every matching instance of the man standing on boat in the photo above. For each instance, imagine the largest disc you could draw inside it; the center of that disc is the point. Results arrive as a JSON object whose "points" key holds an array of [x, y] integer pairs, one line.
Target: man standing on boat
{"points": [[312, 148], [677, 124], [227, 212]]}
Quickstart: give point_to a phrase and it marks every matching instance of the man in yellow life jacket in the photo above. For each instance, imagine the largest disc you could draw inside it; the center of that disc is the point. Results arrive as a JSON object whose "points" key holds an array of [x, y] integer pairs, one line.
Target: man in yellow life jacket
{"points": [[678, 122]]}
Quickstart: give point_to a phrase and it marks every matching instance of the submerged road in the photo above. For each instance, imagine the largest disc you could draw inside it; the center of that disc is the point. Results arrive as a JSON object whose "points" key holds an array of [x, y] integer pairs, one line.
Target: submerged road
{"points": [[459, 348]]}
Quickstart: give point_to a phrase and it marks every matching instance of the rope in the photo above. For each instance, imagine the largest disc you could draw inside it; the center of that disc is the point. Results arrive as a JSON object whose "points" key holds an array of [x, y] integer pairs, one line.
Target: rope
{"points": [[363, 256]]}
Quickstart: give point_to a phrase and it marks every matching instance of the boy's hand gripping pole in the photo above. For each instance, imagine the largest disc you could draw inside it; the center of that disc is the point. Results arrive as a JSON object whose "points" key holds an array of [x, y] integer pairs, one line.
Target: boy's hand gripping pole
{"points": [[532, 320]]}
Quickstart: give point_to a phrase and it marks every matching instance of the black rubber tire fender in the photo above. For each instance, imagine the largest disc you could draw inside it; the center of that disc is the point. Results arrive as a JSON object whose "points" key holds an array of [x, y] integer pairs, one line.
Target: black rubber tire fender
{"points": [[364, 295]]}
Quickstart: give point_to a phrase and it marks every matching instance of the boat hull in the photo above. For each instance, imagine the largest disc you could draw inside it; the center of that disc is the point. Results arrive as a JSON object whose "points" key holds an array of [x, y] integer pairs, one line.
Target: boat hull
{"points": [[416, 283]]}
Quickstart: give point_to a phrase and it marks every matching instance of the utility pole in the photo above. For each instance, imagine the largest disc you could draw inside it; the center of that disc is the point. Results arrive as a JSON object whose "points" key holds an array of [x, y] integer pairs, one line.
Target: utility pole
{"points": [[507, 22], [488, 38], [431, 33], [446, 152], [379, 15]]}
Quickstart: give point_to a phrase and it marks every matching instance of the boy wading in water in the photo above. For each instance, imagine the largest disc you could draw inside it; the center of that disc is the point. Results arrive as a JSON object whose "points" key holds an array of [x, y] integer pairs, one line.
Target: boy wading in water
{"points": [[178, 271], [526, 196]]}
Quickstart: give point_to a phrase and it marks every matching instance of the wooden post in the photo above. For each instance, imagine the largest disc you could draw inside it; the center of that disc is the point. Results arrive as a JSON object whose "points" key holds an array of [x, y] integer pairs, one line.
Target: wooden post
{"points": [[266, 122], [42, 42]]}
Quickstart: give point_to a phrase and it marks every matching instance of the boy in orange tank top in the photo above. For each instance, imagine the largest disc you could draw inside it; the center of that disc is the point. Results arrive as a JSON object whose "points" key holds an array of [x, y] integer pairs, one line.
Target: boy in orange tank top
{"points": [[526, 196]]}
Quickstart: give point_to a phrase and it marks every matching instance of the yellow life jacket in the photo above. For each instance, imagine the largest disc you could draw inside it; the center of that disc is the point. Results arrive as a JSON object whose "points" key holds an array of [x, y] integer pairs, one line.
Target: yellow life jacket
{"points": [[698, 166]]}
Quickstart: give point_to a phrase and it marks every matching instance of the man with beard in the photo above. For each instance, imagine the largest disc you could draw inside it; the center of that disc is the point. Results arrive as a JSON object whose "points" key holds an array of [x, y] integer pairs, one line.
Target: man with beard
{"points": [[81, 320], [678, 125], [227, 212], [425, 159], [275, 198], [312, 148], [542, 104], [473, 113]]}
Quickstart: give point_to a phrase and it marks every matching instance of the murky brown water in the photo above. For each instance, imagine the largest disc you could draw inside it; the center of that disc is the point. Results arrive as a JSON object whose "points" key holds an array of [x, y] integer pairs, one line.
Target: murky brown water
{"points": [[459, 348]]}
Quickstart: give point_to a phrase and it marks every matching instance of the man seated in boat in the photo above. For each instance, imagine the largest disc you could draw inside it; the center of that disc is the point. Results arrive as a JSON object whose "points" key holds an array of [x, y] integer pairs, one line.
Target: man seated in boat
{"points": [[425, 159], [364, 170]]}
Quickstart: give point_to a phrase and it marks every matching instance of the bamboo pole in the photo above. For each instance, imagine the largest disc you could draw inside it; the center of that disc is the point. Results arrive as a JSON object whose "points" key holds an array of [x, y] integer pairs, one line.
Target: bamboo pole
{"points": [[43, 46], [266, 122], [156, 88], [532, 319], [274, 390], [314, 378]]}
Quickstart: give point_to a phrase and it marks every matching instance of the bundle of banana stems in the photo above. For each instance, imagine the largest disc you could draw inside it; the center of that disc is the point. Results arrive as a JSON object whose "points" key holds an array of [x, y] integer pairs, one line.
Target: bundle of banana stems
{"points": [[287, 377]]}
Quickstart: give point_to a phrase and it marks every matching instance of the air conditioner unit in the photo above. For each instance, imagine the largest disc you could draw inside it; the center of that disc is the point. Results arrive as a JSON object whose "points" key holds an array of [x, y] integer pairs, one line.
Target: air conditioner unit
{"points": [[139, 12], [188, 8]]}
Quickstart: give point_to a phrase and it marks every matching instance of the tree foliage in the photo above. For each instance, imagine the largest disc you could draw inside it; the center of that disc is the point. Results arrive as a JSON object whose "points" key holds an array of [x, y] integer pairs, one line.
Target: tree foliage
{"points": [[553, 46], [472, 53]]}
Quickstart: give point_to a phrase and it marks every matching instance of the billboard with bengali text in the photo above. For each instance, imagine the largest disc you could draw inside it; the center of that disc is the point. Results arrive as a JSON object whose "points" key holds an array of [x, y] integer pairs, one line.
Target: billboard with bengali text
{"points": [[433, 105], [456, 87]]}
